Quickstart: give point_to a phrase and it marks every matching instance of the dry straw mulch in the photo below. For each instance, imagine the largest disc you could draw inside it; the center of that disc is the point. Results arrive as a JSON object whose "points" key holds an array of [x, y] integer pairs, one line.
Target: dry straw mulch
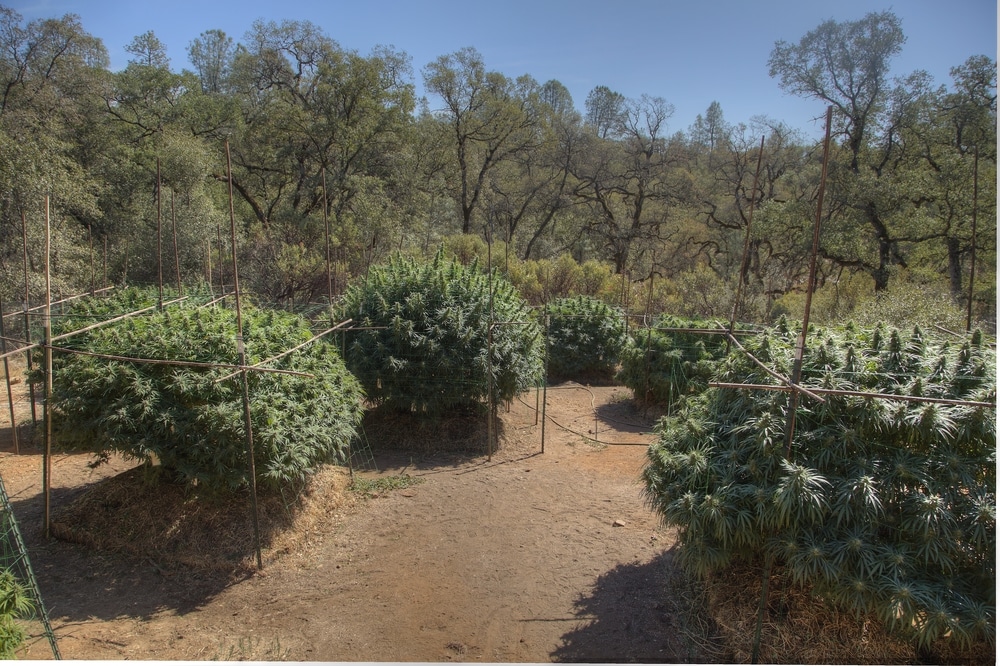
{"points": [[170, 524], [800, 628]]}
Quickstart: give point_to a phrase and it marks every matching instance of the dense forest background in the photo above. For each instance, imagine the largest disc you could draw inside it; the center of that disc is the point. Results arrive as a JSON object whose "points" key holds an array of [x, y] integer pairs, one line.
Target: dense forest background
{"points": [[601, 198]]}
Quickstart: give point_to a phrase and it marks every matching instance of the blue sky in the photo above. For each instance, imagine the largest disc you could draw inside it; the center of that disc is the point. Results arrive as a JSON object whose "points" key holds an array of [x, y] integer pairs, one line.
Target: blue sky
{"points": [[690, 52]]}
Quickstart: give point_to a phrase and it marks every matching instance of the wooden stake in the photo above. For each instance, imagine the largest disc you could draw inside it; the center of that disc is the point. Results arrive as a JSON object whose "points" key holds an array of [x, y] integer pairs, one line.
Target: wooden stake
{"points": [[801, 343], [491, 406], [10, 392], [545, 379], [242, 354], [746, 245], [177, 259], [47, 330], [222, 253], [159, 249], [93, 272], [972, 260], [326, 227], [27, 329], [208, 254]]}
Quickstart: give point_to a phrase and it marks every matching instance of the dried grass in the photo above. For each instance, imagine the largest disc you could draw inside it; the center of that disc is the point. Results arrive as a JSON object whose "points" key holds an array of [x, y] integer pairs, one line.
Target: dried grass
{"points": [[173, 525], [800, 628]]}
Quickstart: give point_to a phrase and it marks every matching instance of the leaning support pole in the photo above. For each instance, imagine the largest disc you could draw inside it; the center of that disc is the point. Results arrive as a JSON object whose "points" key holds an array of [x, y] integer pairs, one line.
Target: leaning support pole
{"points": [[6, 373], [326, 235], [159, 242], [177, 258], [490, 400], [242, 354], [793, 399], [27, 326], [746, 247], [47, 403], [93, 274], [800, 345], [972, 258], [545, 376]]}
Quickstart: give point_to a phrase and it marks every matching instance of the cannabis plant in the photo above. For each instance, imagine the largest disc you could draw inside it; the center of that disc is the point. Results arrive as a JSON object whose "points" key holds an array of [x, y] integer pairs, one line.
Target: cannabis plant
{"points": [[427, 350], [662, 366], [883, 507], [15, 603], [586, 337], [190, 419]]}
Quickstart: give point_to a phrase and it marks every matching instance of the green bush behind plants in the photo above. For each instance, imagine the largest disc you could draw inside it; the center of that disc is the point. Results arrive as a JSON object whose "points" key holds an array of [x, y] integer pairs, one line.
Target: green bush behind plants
{"points": [[428, 352], [586, 337], [662, 367], [884, 508], [185, 419]]}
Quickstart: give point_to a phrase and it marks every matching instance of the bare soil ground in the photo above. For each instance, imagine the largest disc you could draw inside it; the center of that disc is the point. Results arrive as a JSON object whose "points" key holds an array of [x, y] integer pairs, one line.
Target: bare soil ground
{"points": [[524, 556]]}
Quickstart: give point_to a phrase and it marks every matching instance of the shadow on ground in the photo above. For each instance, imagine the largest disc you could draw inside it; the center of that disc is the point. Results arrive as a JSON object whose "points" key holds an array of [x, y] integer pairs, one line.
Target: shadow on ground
{"points": [[625, 416], [633, 614]]}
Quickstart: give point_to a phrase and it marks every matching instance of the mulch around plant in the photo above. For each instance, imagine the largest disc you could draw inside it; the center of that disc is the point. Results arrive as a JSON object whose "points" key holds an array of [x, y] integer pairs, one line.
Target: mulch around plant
{"points": [[802, 628], [174, 525]]}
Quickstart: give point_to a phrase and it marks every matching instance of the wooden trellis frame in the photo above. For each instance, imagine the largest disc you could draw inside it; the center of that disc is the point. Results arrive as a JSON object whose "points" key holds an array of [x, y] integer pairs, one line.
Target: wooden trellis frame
{"points": [[241, 368]]}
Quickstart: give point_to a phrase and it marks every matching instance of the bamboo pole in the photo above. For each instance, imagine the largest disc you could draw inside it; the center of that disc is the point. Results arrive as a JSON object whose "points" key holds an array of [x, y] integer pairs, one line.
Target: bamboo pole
{"points": [[242, 354], [47, 331], [27, 329], [649, 338], [159, 243], [182, 364], [326, 227], [59, 302], [104, 283], [489, 344], [10, 392], [972, 259], [294, 349], [545, 379], [93, 273], [793, 386], [177, 258], [208, 254], [801, 342], [63, 336], [114, 319], [222, 253], [746, 244]]}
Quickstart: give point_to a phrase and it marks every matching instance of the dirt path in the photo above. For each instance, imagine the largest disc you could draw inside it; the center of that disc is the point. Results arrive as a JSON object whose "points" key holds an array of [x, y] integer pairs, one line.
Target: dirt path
{"points": [[527, 557]]}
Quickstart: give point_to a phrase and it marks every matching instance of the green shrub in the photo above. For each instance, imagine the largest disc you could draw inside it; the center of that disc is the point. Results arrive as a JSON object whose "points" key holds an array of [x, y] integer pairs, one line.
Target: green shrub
{"points": [[429, 352], [189, 422], [14, 604], [586, 337], [662, 366], [884, 508]]}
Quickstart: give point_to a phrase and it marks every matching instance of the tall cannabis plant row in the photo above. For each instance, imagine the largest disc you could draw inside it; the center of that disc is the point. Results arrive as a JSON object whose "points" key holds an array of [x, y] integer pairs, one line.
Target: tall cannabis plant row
{"points": [[586, 336], [427, 349], [186, 419], [884, 507]]}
